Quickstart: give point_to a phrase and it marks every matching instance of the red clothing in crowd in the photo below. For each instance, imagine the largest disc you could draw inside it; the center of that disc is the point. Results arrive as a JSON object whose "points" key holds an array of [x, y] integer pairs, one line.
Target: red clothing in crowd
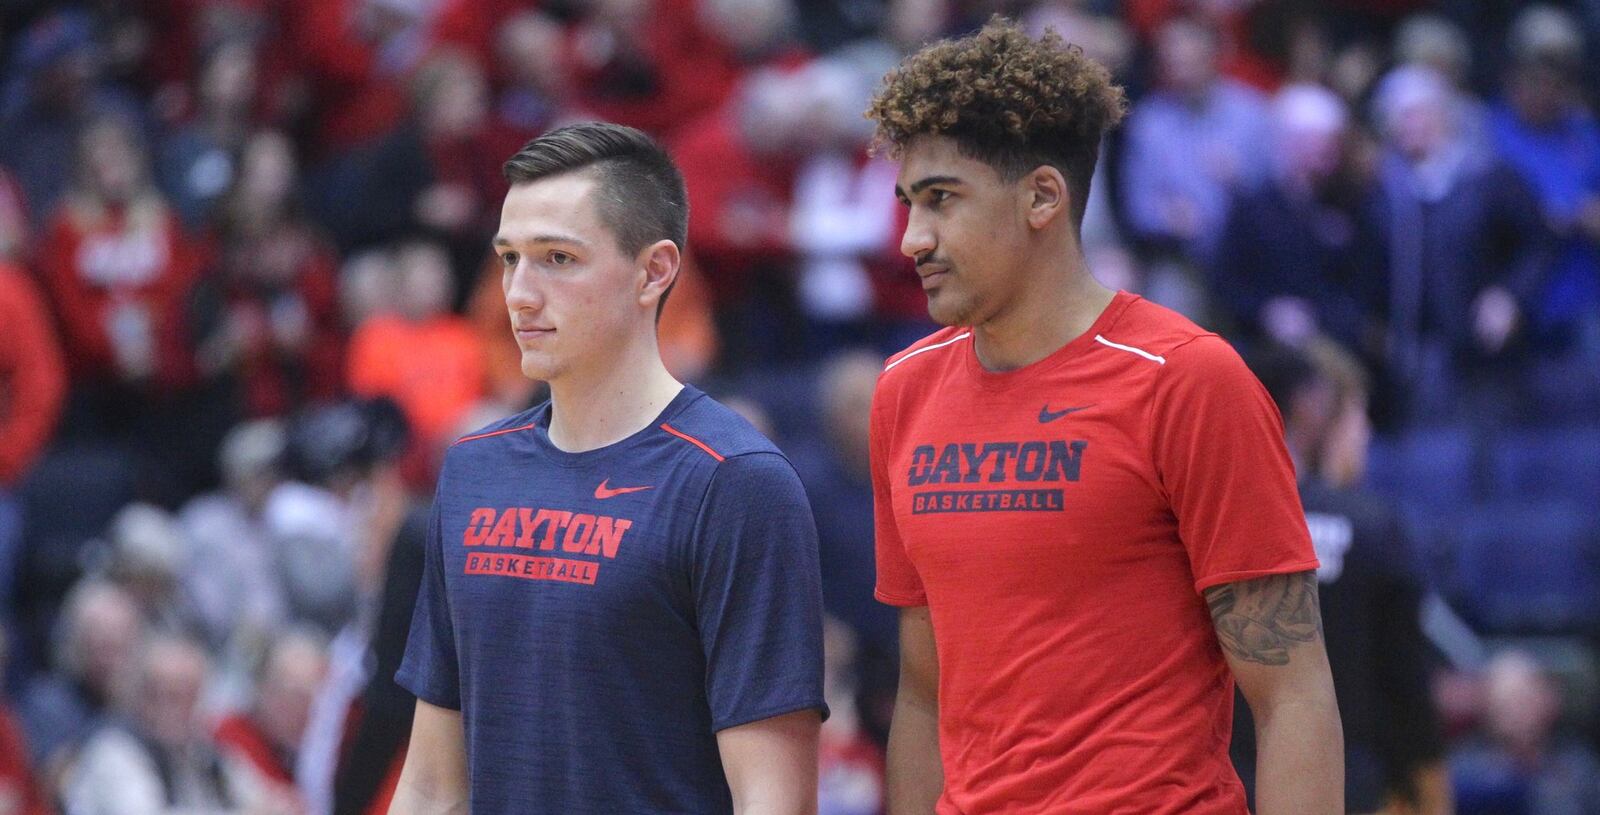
{"points": [[33, 377], [434, 369], [281, 293], [739, 212], [176, 28], [19, 792], [120, 279], [658, 74], [474, 24], [239, 735], [1061, 522], [354, 96]]}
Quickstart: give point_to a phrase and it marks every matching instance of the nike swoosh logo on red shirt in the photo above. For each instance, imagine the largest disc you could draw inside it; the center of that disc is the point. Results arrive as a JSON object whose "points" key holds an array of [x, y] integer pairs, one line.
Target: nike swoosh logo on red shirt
{"points": [[1047, 415], [606, 491]]}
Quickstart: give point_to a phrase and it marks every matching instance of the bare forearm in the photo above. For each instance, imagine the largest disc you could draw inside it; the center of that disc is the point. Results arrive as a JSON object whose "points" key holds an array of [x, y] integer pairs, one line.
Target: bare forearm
{"points": [[1300, 759], [915, 776], [411, 801], [771, 764], [1270, 630], [434, 778]]}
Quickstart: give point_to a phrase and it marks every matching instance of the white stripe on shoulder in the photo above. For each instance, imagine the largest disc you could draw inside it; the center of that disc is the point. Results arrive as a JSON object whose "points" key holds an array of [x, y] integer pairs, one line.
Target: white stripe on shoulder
{"points": [[1159, 360], [963, 335]]}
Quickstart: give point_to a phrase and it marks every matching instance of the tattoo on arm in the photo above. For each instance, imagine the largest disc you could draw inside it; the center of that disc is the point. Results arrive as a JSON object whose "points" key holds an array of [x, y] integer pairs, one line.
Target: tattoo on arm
{"points": [[1261, 620]]}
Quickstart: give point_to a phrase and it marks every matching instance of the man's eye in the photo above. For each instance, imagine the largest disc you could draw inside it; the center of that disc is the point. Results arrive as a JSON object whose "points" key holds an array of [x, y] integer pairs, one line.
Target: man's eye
{"points": [[560, 258], [938, 196], [508, 258]]}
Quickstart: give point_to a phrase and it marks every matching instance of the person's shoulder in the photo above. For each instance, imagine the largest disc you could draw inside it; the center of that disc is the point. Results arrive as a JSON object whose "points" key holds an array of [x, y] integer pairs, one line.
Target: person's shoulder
{"points": [[923, 356], [1156, 333], [489, 435], [716, 431]]}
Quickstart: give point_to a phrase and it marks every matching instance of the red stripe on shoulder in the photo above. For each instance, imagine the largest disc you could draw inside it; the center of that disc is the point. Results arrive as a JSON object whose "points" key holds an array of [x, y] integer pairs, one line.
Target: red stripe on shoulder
{"points": [[491, 433], [692, 440]]}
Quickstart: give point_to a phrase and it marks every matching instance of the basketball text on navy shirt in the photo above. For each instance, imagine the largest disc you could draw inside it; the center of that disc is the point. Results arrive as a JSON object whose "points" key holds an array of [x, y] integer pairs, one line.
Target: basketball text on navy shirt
{"points": [[597, 617]]}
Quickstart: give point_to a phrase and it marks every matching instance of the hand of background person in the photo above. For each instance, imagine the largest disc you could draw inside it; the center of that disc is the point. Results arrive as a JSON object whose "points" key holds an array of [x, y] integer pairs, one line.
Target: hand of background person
{"points": [[1495, 317]]}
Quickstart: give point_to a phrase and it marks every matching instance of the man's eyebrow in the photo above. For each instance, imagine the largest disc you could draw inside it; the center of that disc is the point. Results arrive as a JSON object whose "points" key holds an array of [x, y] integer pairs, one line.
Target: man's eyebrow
{"points": [[501, 240], [931, 180]]}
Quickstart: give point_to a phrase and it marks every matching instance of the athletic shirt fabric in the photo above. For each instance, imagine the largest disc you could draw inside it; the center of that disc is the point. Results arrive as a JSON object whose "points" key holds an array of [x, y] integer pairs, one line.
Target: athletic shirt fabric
{"points": [[597, 617], [1061, 522]]}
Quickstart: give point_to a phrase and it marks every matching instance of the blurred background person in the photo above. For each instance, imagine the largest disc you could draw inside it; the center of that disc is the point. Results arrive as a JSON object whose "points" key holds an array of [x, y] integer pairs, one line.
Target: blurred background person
{"points": [[1468, 252], [267, 323], [740, 165], [54, 89], [267, 735], [1194, 140], [196, 161], [1520, 761], [119, 269], [98, 633], [1549, 136], [1371, 600], [161, 758], [1303, 252], [423, 356], [231, 575]]}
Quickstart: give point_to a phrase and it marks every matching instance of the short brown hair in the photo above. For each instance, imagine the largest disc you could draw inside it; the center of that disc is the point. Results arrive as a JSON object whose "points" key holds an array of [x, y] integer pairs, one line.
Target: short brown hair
{"points": [[639, 192], [1008, 100]]}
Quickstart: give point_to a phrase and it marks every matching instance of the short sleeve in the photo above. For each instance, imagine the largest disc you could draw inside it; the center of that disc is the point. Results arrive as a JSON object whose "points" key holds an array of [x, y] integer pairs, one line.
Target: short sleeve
{"points": [[1219, 449], [758, 592], [430, 669], [898, 581]]}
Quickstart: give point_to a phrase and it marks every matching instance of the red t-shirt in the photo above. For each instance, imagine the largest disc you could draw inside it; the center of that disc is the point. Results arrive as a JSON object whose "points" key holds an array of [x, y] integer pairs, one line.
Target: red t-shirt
{"points": [[1060, 522]]}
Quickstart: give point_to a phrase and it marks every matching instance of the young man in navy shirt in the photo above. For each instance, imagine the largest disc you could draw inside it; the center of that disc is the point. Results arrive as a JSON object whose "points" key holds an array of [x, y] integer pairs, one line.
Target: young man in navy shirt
{"points": [[620, 610]]}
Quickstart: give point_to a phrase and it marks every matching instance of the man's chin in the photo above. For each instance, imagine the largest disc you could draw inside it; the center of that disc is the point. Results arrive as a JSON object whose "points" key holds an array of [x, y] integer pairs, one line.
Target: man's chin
{"points": [[539, 368], [944, 311]]}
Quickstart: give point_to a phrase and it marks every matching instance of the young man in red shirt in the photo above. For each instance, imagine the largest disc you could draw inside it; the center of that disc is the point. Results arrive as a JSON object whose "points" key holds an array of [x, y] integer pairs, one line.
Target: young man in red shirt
{"points": [[1066, 478]]}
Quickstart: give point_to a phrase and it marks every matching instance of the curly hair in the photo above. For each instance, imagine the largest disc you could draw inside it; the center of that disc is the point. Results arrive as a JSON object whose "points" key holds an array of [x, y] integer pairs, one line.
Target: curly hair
{"points": [[1008, 100]]}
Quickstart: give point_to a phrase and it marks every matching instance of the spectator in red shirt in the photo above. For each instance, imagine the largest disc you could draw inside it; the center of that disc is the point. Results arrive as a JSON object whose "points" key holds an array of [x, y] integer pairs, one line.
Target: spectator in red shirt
{"points": [[353, 57], [119, 268], [650, 65], [739, 166], [273, 306], [32, 384], [32, 376]]}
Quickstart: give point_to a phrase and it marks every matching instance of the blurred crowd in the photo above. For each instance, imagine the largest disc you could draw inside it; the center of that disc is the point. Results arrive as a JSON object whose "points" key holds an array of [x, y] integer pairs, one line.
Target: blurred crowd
{"points": [[247, 299]]}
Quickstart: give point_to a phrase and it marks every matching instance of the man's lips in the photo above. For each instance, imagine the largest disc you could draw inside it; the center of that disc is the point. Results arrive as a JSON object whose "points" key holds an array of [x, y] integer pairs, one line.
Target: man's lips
{"points": [[931, 274], [532, 332]]}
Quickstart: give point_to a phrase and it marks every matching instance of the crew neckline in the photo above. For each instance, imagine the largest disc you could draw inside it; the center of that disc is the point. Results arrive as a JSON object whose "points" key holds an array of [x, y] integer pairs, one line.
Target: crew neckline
{"points": [[541, 432], [1074, 348]]}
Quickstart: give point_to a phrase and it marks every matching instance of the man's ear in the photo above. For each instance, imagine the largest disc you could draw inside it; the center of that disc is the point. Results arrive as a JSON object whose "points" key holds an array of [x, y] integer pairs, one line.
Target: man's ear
{"points": [[659, 263], [1046, 196]]}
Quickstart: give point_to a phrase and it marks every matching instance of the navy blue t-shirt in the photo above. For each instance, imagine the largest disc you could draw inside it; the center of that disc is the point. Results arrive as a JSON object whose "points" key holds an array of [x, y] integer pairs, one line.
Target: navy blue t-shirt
{"points": [[597, 617]]}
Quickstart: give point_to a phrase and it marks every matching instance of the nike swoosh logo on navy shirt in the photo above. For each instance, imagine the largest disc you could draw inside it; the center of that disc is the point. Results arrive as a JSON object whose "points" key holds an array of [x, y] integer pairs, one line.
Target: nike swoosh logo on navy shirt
{"points": [[1046, 415], [605, 490]]}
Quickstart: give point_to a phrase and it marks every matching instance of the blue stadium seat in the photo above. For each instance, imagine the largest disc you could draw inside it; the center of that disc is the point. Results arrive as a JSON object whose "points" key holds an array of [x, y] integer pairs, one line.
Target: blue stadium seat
{"points": [[1529, 567], [1546, 463], [1432, 466]]}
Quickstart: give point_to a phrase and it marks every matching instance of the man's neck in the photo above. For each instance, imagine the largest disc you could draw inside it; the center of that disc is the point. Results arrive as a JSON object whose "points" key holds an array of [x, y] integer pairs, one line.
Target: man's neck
{"points": [[592, 410], [1056, 307]]}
